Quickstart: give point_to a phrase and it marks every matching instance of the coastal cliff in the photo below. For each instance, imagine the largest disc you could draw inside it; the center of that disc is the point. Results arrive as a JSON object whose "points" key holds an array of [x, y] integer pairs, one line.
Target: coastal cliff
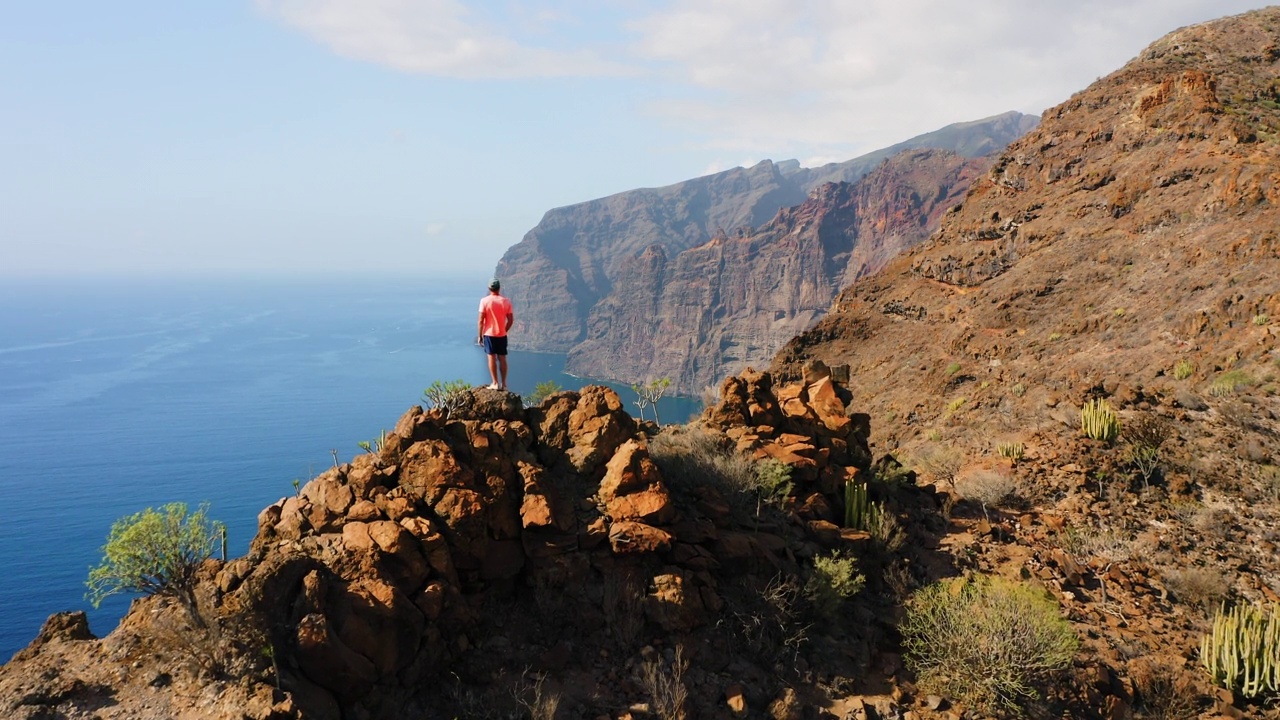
{"points": [[570, 261], [736, 300]]}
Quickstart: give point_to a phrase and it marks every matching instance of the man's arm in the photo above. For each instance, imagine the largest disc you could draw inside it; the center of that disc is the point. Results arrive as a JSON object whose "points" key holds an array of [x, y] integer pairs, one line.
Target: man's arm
{"points": [[480, 327], [511, 320]]}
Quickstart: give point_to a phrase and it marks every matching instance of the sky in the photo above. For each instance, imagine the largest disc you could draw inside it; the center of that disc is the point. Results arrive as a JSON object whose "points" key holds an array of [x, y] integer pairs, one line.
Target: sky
{"points": [[423, 138]]}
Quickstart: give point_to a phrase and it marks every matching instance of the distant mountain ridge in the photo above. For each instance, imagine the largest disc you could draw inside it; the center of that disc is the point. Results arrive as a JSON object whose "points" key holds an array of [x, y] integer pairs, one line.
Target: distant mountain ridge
{"points": [[713, 310], [569, 262]]}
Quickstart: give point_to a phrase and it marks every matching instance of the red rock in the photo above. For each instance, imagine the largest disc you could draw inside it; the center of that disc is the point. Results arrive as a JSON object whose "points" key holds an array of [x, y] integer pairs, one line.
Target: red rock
{"points": [[355, 537], [629, 470], [363, 511], [329, 663], [652, 506], [633, 537]]}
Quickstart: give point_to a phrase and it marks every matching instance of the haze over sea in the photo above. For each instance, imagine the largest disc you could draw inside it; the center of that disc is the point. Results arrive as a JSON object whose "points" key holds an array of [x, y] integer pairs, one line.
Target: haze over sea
{"points": [[116, 395]]}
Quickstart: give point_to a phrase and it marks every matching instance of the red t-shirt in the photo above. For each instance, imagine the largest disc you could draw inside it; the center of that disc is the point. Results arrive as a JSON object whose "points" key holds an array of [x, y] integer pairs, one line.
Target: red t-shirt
{"points": [[494, 311]]}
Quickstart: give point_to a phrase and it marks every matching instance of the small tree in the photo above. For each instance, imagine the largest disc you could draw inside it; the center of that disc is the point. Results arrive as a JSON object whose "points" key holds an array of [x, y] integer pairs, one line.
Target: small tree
{"points": [[156, 553], [542, 391], [649, 394]]}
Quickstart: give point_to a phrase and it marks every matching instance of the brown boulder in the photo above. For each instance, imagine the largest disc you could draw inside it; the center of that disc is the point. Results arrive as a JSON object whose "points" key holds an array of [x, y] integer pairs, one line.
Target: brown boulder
{"points": [[329, 663], [377, 620], [629, 470], [633, 537]]}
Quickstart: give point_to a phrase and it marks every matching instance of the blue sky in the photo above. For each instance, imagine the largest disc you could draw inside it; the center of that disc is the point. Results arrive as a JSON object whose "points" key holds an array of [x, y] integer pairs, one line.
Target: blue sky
{"points": [[394, 136]]}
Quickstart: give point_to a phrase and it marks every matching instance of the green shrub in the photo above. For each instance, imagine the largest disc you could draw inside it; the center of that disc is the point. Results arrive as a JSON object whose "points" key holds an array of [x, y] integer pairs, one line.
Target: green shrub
{"points": [[953, 368], [1261, 319], [835, 579], [1242, 651], [1228, 383], [1018, 390], [955, 405], [446, 395], [1099, 422], [986, 641], [1183, 370], [156, 553]]}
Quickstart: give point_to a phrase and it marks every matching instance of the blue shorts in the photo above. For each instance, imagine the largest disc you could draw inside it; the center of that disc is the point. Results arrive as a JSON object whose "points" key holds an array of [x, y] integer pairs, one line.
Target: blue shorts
{"points": [[495, 345]]}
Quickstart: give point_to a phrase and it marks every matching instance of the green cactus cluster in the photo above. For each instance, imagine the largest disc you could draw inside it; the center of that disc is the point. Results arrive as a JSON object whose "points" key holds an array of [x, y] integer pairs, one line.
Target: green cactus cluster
{"points": [[1242, 652], [1099, 421], [856, 507]]}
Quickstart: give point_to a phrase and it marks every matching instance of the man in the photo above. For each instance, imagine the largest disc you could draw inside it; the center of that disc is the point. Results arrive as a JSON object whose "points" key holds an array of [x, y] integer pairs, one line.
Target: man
{"points": [[496, 319]]}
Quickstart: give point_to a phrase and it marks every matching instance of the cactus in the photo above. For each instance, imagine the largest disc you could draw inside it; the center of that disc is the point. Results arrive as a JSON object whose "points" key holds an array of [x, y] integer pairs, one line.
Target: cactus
{"points": [[1242, 652], [855, 505], [1099, 421], [1012, 450]]}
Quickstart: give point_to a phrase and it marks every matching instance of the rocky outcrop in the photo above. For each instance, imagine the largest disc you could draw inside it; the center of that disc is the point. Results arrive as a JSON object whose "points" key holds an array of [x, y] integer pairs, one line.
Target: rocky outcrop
{"points": [[735, 301], [387, 585], [563, 267]]}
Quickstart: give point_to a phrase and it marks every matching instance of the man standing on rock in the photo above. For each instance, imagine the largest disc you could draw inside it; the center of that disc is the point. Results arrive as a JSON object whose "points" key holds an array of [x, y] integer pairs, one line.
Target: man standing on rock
{"points": [[496, 319]]}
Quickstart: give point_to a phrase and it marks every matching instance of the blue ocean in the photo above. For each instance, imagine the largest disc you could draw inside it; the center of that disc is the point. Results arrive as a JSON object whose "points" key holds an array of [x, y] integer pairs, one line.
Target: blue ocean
{"points": [[117, 395]]}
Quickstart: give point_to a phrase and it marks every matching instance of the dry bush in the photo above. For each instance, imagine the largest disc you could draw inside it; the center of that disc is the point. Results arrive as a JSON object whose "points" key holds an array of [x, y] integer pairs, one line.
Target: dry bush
{"points": [[221, 647], [986, 487], [941, 464], [690, 457], [1163, 693], [624, 599], [885, 529], [538, 700], [1203, 588], [663, 681], [1085, 543], [1269, 477], [767, 622], [1214, 522], [988, 642]]}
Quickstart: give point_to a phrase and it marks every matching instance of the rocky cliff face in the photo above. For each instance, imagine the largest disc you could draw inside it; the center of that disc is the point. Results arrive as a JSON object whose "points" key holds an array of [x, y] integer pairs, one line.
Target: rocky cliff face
{"points": [[569, 262], [1135, 228], [734, 301]]}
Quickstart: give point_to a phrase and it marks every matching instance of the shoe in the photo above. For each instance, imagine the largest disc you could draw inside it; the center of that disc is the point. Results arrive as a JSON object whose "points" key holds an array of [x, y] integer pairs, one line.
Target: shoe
{"points": [[494, 386]]}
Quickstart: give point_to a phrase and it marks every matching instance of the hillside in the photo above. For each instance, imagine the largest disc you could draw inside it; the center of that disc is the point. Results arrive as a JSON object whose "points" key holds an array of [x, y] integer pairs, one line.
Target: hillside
{"points": [[1125, 251], [567, 263], [715, 309]]}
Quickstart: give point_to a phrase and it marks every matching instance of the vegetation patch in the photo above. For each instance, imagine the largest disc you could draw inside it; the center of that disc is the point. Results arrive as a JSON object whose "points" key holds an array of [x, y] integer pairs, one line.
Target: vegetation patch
{"points": [[988, 642]]}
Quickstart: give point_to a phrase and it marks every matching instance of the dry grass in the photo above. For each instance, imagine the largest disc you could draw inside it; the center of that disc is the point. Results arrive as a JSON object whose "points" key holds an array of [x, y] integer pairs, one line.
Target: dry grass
{"points": [[663, 681], [986, 487], [941, 464], [1203, 588]]}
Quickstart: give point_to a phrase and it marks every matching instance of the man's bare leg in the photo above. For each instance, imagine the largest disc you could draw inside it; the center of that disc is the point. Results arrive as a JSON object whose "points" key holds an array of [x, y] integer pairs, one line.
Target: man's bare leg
{"points": [[493, 368], [502, 363]]}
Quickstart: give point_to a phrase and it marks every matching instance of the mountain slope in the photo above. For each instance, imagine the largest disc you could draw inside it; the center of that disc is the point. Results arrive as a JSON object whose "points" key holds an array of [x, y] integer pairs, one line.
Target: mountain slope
{"points": [[569, 261], [1134, 230]]}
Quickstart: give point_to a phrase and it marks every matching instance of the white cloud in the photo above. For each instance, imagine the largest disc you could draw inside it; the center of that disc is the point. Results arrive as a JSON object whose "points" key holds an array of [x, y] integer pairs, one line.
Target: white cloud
{"points": [[831, 74], [435, 37], [820, 78]]}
